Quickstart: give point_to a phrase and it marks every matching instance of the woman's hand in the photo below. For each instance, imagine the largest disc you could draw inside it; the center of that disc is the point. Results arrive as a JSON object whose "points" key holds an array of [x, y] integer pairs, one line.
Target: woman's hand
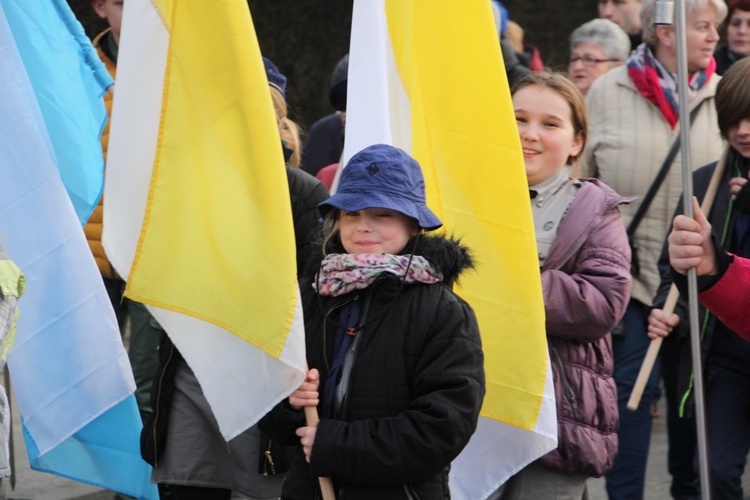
{"points": [[690, 244], [307, 393], [307, 438], [661, 325]]}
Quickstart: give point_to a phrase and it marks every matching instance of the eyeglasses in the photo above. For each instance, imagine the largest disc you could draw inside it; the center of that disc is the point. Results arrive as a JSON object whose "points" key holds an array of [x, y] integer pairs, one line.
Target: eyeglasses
{"points": [[588, 60]]}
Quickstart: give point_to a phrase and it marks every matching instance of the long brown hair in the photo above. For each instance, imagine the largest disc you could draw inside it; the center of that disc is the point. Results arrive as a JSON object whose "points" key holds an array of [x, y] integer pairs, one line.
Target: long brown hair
{"points": [[288, 130]]}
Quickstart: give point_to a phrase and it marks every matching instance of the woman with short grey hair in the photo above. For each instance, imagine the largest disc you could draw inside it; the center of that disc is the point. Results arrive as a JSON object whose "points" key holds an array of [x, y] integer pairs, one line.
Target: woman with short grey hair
{"points": [[595, 48], [648, 16]]}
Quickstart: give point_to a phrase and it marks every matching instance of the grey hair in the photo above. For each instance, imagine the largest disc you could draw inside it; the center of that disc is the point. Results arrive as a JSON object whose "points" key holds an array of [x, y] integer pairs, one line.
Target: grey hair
{"points": [[648, 13], [605, 34]]}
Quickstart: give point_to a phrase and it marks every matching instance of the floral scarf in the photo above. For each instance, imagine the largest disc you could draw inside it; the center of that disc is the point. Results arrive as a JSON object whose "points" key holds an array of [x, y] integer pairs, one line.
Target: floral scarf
{"points": [[341, 273], [657, 84]]}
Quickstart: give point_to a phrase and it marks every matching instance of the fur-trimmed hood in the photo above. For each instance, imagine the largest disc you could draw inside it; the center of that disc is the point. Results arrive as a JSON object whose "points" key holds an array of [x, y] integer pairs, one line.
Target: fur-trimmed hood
{"points": [[446, 253]]}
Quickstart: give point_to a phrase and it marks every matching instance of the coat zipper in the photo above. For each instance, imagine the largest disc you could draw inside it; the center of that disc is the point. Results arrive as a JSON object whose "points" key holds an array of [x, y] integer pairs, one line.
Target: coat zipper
{"points": [[325, 329], [362, 319], [564, 379], [158, 400]]}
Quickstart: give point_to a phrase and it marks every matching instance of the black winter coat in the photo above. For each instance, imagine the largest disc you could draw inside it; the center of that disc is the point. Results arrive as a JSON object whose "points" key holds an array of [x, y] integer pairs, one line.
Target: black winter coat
{"points": [[306, 192], [414, 393]]}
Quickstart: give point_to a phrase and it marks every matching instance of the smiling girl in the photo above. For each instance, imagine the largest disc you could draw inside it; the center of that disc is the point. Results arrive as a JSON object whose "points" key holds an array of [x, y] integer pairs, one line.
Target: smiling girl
{"points": [[584, 260], [395, 356]]}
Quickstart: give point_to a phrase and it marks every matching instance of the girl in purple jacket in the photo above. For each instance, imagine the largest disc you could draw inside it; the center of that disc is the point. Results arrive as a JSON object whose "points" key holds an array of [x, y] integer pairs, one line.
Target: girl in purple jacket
{"points": [[584, 259]]}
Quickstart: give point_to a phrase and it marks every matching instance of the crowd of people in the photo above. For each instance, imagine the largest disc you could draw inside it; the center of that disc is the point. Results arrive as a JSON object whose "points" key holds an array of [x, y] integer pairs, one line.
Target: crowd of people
{"points": [[602, 156]]}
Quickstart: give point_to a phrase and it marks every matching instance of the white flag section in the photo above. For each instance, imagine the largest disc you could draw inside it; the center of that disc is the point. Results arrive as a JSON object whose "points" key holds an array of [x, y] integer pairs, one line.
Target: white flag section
{"points": [[446, 102], [240, 381]]}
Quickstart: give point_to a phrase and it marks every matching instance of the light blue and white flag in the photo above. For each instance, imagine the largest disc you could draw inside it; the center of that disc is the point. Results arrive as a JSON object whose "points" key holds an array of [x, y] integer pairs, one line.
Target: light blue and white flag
{"points": [[70, 371], [69, 80]]}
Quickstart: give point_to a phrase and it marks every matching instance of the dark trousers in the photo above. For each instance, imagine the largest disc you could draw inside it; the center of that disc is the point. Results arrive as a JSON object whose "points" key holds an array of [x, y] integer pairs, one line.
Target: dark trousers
{"points": [[681, 433], [728, 429], [626, 480]]}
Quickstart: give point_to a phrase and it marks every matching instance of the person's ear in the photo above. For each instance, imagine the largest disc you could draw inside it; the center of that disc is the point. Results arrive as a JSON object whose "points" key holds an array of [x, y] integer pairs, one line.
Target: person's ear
{"points": [[666, 36], [577, 146], [98, 6]]}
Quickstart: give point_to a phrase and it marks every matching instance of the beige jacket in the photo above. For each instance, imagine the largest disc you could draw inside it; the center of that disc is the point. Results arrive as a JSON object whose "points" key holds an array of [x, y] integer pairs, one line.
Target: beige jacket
{"points": [[627, 144]]}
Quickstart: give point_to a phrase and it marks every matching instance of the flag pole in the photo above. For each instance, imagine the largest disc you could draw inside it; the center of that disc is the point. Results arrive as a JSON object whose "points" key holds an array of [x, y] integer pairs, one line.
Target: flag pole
{"points": [[687, 200], [326, 485]]}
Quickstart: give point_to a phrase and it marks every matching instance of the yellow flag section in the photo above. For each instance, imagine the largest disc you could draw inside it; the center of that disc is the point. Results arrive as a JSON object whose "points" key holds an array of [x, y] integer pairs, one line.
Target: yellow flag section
{"points": [[428, 76], [197, 209]]}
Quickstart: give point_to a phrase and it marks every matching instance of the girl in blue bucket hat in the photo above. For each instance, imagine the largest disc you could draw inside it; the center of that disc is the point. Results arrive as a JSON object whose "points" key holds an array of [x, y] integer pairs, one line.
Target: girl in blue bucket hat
{"points": [[396, 361]]}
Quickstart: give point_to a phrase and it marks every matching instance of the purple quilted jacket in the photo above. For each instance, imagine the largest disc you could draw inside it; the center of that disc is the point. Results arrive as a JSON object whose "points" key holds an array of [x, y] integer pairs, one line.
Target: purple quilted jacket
{"points": [[586, 283]]}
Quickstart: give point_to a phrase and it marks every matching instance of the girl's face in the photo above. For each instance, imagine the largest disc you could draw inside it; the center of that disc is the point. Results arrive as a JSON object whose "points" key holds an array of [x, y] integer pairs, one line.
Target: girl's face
{"points": [[375, 230], [738, 33], [739, 137], [546, 128]]}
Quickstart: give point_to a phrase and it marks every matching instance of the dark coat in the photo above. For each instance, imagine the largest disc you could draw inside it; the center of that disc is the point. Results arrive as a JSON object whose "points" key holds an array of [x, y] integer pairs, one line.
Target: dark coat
{"points": [[722, 220], [414, 393], [586, 284], [306, 192], [724, 58]]}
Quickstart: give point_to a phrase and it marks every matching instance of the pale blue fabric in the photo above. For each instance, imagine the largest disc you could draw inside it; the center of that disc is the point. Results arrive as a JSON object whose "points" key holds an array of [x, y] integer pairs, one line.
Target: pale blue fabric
{"points": [[70, 370], [69, 80]]}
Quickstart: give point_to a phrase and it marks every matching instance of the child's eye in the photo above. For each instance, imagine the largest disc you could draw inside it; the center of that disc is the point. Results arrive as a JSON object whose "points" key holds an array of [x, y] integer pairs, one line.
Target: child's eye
{"points": [[351, 214], [551, 124], [520, 119], [384, 214]]}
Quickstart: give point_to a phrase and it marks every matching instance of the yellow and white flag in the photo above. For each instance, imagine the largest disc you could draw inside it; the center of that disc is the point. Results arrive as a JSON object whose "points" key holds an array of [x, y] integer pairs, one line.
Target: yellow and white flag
{"points": [[197, 211], [427, 76]]}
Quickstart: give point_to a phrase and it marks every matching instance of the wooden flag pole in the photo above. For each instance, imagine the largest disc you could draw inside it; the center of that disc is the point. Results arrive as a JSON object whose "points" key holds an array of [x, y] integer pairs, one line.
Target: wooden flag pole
{"points": [[326, 485]]}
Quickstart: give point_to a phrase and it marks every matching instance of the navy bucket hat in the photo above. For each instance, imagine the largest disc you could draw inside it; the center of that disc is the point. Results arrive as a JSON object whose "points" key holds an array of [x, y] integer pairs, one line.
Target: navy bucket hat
{"points": [[381, 176], [275, 78]]}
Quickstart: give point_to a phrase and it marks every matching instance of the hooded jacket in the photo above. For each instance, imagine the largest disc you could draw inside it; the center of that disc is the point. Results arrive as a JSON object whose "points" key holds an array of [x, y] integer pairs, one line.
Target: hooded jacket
{"points": [[414, 392], [586, 284]]}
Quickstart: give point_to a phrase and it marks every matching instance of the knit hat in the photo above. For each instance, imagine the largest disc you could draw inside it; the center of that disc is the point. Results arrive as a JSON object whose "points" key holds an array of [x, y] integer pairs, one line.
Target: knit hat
{"points": [[381, 176]]}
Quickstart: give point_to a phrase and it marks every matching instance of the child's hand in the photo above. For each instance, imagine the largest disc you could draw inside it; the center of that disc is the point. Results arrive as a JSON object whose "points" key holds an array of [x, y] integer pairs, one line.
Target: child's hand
{"points": [[735, 185], [307, 393], [661, 325], [690, 244], [307, 438]]}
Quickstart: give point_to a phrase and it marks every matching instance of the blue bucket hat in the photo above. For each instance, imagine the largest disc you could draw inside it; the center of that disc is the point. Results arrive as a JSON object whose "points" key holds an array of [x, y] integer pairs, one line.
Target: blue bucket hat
{"points": [[381, 176], [275, 78]]}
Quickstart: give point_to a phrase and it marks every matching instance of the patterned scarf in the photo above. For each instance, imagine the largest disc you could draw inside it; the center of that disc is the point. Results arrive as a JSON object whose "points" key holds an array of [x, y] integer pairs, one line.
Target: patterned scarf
{"points": [[341, 273], [657, 84]]}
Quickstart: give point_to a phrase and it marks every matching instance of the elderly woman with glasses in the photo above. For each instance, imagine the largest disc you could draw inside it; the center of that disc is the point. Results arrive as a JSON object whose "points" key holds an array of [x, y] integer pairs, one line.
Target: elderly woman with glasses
{"points": [[634, 121], [595, 48]]}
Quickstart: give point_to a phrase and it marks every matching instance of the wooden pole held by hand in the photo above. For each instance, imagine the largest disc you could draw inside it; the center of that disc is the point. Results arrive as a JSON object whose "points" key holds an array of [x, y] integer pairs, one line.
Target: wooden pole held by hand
{"points": [[326, 485], [674, 294]]}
